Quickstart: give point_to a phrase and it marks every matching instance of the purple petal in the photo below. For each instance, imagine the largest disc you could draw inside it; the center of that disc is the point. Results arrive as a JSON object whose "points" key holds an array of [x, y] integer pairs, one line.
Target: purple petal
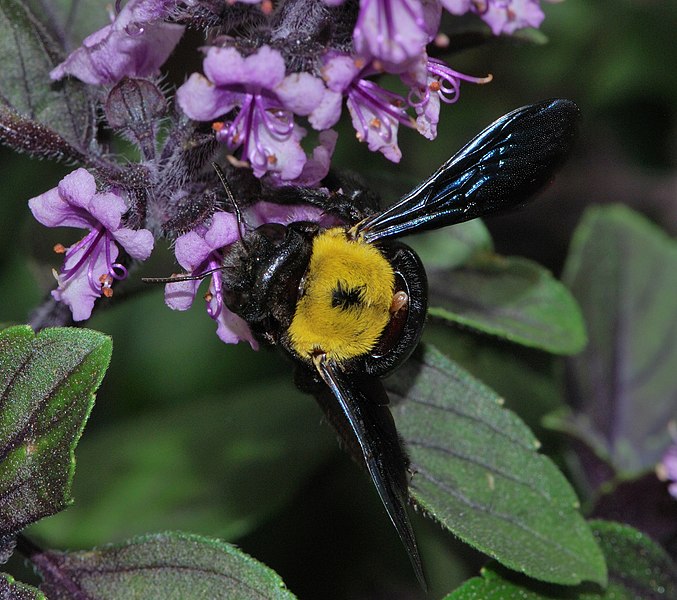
{"points": [[376, 115], [316, 167], [457, 7], [669, 463], [268, 152], [327, 113], [148, 10], [339, 72], [137, 242], [393, 31], [508, 17], [225, 66], [78, 188], [191, 251], [180, 295], [76, 291], [107, 208], [300, 93], [232, 329], [67, 205], [52, 210], [223, 231], [79, 63], [428, 117], [201, 100], [112, 53], [270, 212]]}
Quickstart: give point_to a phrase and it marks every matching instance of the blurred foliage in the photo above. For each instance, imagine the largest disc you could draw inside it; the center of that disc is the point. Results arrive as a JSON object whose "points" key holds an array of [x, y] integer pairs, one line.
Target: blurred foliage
{"points": [[326, 534]]}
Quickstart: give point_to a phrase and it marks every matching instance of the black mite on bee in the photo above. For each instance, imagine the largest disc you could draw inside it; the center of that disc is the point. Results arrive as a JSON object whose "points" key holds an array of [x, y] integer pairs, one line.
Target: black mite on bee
{"points": [[348, 303]]}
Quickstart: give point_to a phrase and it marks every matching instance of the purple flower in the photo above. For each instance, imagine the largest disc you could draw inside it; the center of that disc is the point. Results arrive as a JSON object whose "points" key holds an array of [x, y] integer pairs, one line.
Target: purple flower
{"points": [[442, 84], [199, 252], [376, 113], [135, 44], [317, 166], [667, 469], [90, 267], [264, 126], [395, 31], [503, 16]]}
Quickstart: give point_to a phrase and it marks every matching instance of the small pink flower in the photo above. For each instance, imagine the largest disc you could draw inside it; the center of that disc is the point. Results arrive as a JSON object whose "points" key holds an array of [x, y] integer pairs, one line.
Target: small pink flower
{"points": [[503, 16], [266, 101], [135, 44], [89, 268], [395, 31], [199, 252]]}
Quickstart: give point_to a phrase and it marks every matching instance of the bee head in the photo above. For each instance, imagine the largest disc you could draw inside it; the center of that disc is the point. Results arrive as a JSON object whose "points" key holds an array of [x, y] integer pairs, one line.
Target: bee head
{"points": [[262, 275]]}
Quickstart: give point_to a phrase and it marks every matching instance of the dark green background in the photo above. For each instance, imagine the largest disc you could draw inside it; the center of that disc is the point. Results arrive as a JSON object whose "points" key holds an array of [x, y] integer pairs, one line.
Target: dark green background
{"points": [[324, 530]]}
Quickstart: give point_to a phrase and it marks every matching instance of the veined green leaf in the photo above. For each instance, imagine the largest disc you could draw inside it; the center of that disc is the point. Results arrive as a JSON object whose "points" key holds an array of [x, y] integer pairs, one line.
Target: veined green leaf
{"points": [[171, 566], [477, 471], [639, 569], [47, 385], [509, 297]]}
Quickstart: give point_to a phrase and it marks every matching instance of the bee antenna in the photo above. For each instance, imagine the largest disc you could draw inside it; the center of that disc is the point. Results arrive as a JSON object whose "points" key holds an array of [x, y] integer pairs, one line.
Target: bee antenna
{"points": [[231, 197], [175, 278]]}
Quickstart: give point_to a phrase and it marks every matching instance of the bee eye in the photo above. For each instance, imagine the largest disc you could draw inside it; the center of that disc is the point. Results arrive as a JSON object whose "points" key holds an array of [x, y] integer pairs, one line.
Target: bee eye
{"points": [[275, 232]]}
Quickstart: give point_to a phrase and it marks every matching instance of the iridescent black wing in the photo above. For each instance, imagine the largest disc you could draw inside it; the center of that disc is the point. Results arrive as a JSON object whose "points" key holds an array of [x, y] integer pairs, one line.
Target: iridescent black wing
{"points": [[366, 425], [500, 168]]}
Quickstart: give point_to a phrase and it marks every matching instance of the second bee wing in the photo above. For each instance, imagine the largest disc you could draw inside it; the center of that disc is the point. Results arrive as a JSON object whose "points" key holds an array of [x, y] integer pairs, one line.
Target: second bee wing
{"points": [[500, 168], [364, 410]]}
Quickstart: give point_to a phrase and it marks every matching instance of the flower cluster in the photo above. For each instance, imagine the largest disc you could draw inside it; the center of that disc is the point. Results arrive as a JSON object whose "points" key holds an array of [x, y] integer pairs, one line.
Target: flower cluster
{"points": [[273, 71]]}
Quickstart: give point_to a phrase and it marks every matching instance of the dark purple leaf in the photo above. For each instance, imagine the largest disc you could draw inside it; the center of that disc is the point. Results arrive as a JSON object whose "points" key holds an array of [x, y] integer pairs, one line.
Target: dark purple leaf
{"points": [[47, 385], [171, 566], [27, 90], [477, 471], [509, 297], [623, 272], [655, 515]]}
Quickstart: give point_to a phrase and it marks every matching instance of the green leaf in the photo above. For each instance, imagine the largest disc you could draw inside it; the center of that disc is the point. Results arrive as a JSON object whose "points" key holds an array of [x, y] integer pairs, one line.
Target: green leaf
{"points": [[477, 471], [14, 590], [623, 271], [232, 461], [452, 247], [526, 378], [70, 20], [25, 86], [171, 566], [510, 297], [47, 385], [639, 569]]}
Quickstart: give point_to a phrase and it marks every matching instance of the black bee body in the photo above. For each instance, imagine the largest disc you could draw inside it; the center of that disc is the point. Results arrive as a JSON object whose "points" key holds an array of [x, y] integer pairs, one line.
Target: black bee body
{"points": [[348, 303]]}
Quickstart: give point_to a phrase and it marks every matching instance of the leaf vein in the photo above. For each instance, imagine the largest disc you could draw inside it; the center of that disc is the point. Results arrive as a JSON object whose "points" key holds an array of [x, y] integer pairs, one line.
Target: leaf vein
{"points": [[473, 460], [499, 515]]}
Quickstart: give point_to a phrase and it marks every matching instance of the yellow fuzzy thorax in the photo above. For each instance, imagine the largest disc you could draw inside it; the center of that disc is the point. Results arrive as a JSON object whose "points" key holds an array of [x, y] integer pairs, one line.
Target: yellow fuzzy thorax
{"points": [[346, 299]]}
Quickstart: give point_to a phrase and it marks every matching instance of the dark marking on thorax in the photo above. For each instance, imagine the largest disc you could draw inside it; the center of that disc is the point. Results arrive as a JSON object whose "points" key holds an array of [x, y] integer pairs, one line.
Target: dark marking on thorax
{"points": [[345, 297]]}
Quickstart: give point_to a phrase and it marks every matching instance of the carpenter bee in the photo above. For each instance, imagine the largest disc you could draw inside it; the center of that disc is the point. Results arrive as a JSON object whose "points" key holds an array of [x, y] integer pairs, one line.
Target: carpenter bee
{"points": [[348, 303]]}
